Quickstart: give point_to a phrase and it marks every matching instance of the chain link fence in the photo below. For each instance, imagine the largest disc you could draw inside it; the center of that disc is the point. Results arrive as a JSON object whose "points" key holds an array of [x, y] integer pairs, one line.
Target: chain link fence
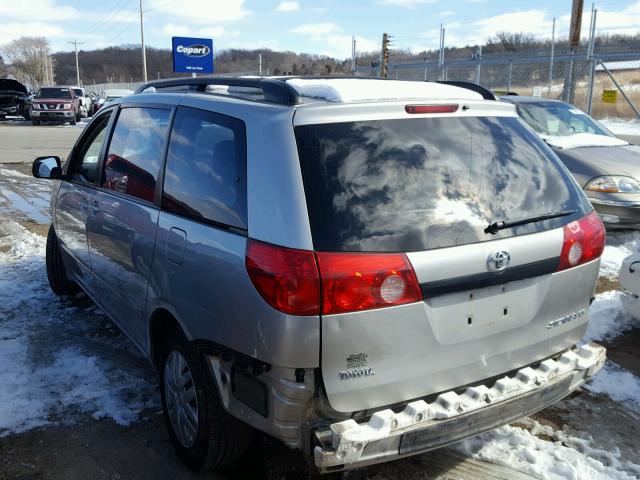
{"points": [[99, 88], [606, 84]]}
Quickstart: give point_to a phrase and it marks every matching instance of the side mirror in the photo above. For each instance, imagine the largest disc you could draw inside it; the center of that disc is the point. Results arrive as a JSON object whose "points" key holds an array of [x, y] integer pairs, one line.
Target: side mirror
{"points": [[47, 167]]}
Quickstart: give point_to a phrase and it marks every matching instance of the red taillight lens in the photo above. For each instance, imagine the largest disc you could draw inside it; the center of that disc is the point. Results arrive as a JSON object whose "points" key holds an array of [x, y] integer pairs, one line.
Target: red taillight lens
{"points": [[362, 281], [430, 108], [286, 278], [583, 241]]}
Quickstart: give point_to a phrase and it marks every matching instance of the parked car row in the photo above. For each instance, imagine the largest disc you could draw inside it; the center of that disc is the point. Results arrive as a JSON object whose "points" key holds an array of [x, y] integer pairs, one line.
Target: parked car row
{"points": [[363, 269], [53, 103]]}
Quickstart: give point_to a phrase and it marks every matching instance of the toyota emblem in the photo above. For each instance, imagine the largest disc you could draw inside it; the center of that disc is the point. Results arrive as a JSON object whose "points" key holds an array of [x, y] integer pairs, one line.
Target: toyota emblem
{"points": [[498, 261]]}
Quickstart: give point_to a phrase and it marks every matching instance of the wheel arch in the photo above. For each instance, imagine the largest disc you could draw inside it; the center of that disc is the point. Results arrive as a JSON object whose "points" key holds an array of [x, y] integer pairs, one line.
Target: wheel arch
{"points": [[161, 322]]}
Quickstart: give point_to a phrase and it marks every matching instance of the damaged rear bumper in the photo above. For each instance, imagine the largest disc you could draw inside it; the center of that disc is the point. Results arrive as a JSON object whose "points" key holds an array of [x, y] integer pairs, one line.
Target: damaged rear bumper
{"points": [[423, 426]]}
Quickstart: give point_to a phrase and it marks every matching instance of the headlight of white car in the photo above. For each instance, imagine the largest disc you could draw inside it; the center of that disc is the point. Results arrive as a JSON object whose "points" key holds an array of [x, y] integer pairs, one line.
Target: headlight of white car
{"points": [[613, 184]]}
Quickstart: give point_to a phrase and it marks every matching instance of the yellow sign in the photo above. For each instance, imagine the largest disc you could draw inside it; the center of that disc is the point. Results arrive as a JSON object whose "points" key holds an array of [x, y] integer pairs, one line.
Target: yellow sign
{"points": [[609, 96]]}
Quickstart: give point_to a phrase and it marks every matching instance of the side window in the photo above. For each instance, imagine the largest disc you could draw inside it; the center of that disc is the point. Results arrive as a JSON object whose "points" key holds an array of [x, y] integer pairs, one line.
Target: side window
{"points": [[85, 164], [205, 176], [135, 152]]}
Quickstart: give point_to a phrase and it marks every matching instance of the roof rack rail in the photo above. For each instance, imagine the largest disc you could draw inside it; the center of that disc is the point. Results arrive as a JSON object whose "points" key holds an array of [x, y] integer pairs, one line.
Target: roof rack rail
{"points": [[274, 91], [486, 94]]}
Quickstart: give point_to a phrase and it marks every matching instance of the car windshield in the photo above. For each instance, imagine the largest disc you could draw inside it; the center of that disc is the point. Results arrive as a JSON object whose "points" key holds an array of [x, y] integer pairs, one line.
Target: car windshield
{"points": [[111, 99], [78, 92], [54, 93], [558, 119]]}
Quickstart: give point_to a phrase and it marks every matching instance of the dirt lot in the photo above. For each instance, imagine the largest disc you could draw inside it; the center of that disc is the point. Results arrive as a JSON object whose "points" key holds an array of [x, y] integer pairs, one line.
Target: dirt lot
{"points": [[83, 439]]}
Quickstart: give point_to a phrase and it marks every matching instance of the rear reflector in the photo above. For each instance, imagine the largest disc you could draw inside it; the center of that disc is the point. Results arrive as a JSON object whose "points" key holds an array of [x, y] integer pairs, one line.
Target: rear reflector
{"points": [[363, 281], [583, 241], [430, 108], [286, 278]]}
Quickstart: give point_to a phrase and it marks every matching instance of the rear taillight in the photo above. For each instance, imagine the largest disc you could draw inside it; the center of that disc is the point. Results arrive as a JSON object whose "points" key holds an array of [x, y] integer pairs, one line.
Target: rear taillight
{"points": [[583, 241], [362, 281], [290, 280], [430, 108], [286, 278]]}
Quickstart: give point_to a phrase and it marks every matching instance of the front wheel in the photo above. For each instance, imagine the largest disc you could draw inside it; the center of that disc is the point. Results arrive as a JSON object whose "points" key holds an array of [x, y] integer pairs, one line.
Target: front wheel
{"points": [[202, 433], [35, 122], [56, 273], [72, 121]]}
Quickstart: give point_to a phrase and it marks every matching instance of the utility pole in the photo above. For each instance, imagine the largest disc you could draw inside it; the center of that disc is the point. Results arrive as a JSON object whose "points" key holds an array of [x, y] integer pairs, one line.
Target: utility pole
{"points": [[574, 41], [75, 47], [144, 52], [384, 64], [591, 57], [353, 55], [260, 64], [51, 69], [441, 57]]}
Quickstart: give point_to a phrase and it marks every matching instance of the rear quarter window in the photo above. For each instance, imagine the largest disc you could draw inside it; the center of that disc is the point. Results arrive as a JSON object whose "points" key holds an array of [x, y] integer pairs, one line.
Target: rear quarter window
{"points": [[205, 173], [424, 183]]}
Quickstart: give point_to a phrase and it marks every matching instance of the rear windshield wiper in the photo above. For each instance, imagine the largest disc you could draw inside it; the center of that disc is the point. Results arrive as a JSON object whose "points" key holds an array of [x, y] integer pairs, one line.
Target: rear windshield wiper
{"points": [[495, 227]]}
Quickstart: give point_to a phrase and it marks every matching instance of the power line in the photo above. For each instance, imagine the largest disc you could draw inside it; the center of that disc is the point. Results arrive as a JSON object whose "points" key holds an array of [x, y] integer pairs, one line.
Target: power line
{"points": [[106, 19]]}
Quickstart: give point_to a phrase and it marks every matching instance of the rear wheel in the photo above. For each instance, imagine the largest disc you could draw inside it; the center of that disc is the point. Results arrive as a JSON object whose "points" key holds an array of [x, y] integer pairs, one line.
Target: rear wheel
{"points": [[35, 122], [56, 273], [202, 433]]}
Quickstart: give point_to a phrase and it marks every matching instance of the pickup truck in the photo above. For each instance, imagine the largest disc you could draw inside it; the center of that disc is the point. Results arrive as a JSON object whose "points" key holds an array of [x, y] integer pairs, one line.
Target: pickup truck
{"points": [[14, 98], [85, 101], [55, 104]]}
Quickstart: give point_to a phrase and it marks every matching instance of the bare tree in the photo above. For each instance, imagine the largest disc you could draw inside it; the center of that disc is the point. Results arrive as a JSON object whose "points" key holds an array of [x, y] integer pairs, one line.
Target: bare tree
{"points": [[28, 57]]}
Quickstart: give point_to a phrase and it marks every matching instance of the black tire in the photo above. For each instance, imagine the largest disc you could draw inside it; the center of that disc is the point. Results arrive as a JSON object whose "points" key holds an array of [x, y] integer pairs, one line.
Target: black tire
{"points": [[35, 122], [78, 117], [221, 439], [72, 121], [58, 280]]}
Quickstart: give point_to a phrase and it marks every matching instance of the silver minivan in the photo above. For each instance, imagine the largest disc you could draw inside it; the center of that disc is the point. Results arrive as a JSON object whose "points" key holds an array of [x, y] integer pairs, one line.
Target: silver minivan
{"points": [[363, 269]]}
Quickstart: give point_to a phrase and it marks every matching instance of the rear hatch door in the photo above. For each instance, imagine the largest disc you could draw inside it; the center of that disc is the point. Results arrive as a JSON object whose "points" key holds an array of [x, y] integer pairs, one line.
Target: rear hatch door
{"points": [[427, 186]]}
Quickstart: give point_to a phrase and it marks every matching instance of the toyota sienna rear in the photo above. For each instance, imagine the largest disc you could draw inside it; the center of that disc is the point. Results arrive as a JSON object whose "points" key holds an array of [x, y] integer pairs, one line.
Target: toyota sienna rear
{"points": [[363, 269]]}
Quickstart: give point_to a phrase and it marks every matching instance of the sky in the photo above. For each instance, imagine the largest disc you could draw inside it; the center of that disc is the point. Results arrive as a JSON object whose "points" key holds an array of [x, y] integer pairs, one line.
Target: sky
{"points": [[319, 27]]}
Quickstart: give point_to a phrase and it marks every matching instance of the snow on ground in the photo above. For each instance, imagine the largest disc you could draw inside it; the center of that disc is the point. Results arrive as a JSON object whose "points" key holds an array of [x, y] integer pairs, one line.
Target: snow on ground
{"points": [[621, 126], [564, 457], [617, 384], [25, 195], [619, 246], [50, 372], [608, 319]]}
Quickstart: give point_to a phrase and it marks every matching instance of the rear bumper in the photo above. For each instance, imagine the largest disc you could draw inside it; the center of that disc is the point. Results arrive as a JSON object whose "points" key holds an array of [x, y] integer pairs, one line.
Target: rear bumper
{"points": [[422, 426], [618, 214]]}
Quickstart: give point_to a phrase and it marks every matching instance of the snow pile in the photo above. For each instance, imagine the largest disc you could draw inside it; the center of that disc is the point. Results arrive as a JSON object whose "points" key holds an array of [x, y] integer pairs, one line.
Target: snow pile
{"points": [[607, 318], [620, 126], [619, 246], [354, 90], [564, 457], [583, 140], [49, 373], [617, 384]]}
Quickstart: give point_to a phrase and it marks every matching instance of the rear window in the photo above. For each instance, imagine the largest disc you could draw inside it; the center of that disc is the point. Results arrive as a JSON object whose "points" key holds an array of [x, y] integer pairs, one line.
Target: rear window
{"points": [[424, 183]]}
